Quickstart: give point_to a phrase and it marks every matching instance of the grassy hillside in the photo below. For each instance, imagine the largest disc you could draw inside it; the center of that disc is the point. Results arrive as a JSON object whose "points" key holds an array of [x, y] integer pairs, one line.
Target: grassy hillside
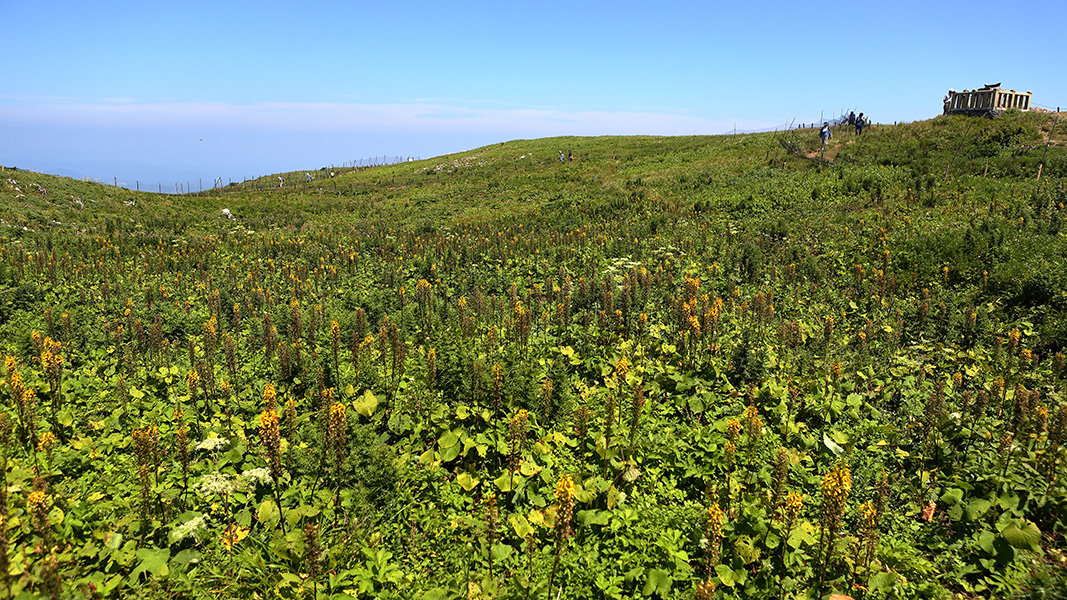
{"points": [[685, 367]]}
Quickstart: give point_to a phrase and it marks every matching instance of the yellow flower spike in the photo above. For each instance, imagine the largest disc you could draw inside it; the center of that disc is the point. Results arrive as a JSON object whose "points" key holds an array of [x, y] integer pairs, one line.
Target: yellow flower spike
{"points": [[868, 516], [565, 489], [37, 500], [733, 427], [46, 441], [715, 518], [793, 503]]}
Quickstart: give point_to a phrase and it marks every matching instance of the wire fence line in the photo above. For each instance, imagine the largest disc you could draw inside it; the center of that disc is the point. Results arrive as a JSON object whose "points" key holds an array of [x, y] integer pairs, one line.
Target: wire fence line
{"points": [[221, 184], [378, 161]]}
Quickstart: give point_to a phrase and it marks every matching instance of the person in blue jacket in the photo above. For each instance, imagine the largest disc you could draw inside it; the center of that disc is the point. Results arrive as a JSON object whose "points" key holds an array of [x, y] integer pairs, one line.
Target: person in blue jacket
{"points": [[825, 134]]}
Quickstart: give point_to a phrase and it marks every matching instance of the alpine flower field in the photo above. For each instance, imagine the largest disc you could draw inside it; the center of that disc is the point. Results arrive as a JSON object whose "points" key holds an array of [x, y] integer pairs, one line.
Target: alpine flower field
{"points": [[699, 367]]}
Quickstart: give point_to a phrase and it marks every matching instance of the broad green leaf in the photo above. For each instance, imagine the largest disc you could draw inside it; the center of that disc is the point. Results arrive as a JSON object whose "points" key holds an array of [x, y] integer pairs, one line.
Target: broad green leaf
{"points": [[153, 561], [593, 517], [109, 585], [883, 581], [365, 404], [613, 497], [829, 443], [268, 512], [115, 541], [658, 582], [466, 482], [1005, 552], [65, 417], [840, 437], [449, 454], [978, 507], [449, 439], [505, 481], [501, 551], [549, 516], [1008, 501], [952, 496], [308, 510], [426, 457], [800, 535], [1023, 535], [986, 539], [696, 404], [726, 575], [520, 525], [529, 468]]}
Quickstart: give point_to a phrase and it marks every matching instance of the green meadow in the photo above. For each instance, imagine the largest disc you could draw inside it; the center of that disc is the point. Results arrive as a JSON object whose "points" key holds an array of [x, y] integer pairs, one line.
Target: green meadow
{"points": [[671, 367]]}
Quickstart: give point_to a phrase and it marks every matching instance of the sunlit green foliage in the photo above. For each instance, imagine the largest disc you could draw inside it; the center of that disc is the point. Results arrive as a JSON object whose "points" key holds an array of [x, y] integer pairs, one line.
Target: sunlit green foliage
{"points": [[672, 367]]}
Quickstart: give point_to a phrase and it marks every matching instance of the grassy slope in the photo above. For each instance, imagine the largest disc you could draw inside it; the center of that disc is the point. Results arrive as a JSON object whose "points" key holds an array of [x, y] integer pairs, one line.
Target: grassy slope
{"points": [[635, 184], [697, 201], [524, 176]]}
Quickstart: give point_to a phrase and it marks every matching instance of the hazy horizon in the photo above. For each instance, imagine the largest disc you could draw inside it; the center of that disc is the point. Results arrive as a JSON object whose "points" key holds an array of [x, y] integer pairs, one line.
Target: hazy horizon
{"points": [[132, 90]]}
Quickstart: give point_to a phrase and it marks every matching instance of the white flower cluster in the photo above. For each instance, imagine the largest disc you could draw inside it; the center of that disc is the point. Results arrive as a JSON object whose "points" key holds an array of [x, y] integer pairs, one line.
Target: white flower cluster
{"points": [[188, 529], [219, 484], [254, 476], [212, 444]]}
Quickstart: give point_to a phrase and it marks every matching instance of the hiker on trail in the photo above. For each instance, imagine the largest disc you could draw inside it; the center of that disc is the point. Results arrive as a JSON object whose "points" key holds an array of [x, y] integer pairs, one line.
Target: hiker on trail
{"points": [[570, 156], [308, 177], [561, 157], [852, 119], [825, 135], [859, 124], [281, 182]]}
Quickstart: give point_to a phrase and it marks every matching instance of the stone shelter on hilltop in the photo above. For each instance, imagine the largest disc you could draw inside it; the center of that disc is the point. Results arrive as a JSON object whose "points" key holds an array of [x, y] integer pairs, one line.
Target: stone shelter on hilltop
{"points": [[988, 100]]}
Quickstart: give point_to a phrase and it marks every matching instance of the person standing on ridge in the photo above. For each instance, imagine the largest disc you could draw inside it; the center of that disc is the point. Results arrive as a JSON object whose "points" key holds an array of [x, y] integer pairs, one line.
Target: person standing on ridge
{"points": [[859, 124], [825, 134]]}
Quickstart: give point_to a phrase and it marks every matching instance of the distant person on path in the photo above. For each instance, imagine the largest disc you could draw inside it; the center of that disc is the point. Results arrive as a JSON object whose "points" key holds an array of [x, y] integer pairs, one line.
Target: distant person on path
{"points": [[859, 124], [852, 119], [307, 176], [825, 134], [561, 157], [281, 182]]}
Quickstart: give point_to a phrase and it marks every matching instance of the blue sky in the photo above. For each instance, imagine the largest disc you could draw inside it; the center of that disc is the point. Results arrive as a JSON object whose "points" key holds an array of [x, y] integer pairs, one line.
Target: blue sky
{"points": [[170, 91]]}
